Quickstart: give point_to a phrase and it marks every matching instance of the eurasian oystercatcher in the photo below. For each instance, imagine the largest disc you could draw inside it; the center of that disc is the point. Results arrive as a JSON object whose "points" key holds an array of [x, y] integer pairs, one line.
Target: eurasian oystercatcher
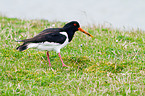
{"points": [[52, 39]]}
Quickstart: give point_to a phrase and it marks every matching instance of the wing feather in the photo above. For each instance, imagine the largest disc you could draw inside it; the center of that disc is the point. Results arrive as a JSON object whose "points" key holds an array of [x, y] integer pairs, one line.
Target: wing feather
{"points": [[48, 35], [54, 37]]}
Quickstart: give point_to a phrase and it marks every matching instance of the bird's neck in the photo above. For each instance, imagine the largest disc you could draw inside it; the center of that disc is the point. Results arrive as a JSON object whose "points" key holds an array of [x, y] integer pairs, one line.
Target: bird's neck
{"points": [[70, 35]]}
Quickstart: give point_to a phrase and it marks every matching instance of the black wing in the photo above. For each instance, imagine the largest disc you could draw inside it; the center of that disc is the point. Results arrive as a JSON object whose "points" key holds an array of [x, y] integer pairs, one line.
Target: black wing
{"points": [[50, 30], [50, 35], [55, 37]]}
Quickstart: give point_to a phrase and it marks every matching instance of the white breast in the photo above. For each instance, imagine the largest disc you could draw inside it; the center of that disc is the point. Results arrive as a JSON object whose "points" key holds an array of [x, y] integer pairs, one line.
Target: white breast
{"points": [[57, 49]]}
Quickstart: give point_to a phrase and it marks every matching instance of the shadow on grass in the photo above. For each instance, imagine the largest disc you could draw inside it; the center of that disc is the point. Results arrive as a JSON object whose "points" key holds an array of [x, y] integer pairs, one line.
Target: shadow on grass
{"points": [[78, 62]]}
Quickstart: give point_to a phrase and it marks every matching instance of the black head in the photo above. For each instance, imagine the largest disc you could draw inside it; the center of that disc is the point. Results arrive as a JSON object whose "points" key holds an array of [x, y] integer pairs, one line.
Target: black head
{"points": [[71, 26]]}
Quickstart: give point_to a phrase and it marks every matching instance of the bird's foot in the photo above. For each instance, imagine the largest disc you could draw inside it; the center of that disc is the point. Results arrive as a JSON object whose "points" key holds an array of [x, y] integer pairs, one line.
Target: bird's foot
{"points": [[64, 65]]}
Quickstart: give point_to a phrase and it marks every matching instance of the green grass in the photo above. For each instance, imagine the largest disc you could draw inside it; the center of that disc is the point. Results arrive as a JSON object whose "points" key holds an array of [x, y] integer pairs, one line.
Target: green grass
{"points": [[111, 63]]}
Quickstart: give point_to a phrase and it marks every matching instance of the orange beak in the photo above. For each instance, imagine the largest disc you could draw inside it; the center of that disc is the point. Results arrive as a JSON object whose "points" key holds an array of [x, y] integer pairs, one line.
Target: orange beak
{"points": [[80, 29]]}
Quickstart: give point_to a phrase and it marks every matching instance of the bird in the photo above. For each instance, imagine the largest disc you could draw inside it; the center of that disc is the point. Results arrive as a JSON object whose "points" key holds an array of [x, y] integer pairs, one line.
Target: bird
{"points": [[52, 39]]}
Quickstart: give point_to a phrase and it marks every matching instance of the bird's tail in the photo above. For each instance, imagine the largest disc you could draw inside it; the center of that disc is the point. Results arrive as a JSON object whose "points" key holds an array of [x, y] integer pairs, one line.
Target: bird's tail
{"points": [[22, 47]]}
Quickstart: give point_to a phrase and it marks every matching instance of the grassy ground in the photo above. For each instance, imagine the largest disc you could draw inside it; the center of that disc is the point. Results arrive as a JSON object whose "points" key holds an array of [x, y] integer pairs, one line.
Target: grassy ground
{"points": [[112, 63]]}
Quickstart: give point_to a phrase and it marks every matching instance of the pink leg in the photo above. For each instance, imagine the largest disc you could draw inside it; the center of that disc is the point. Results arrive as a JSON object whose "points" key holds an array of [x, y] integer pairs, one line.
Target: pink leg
{"points": [[48, 58], [63, 65]]}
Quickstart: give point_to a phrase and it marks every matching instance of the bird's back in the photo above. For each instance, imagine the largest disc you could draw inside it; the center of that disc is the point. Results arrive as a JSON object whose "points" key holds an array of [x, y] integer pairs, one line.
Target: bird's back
{"points": [[42, 33]]}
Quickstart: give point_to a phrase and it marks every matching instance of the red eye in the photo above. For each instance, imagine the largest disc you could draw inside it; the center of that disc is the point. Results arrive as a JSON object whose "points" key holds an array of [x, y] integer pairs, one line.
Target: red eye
{"points": [[75, 24]]}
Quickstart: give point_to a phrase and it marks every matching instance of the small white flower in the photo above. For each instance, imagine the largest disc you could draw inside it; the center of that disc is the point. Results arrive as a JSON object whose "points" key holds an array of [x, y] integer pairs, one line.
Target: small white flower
{"points": [[116, 40], [53, 25]]}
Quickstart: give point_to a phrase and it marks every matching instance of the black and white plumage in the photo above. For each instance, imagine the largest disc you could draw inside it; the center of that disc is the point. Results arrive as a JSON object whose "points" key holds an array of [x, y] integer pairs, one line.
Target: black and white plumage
{"points": [[52, 39]]}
